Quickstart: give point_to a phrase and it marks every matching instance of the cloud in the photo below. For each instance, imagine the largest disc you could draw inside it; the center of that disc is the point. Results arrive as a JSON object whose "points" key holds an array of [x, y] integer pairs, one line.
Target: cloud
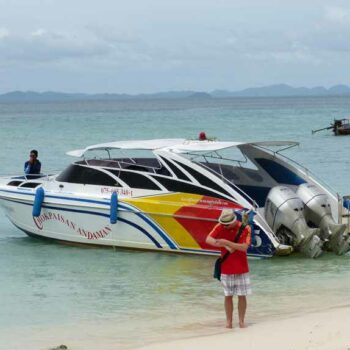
{"points": [[317, 42], [336, 14], [38, 32], [106, 46], [43, 46], [4, 33], [214, 41], [96, 46], [110, 35]]}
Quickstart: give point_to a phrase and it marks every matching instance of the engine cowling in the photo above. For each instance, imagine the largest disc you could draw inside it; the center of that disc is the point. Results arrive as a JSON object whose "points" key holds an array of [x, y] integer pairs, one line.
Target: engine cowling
{"points": [[284, 212], [318, 212]]}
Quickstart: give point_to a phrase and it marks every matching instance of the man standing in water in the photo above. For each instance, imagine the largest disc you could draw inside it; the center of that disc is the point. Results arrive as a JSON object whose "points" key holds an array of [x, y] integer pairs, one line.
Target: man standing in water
{"points": [[33, 165], [227, 236]]}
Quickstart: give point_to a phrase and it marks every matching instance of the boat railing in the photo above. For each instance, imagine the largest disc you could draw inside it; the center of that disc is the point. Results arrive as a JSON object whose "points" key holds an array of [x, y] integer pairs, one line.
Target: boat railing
{"points": [[27, 177], [120, 163]]}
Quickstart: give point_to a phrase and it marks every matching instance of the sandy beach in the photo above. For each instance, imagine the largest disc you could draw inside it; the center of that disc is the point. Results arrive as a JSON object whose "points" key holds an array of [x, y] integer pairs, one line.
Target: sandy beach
{"points": [[321, 330], [324, 330]]}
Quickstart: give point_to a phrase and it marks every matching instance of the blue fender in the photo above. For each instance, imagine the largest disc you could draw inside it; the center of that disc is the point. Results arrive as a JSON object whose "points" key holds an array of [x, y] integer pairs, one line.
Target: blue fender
{"points": [[113, 216], [38, 201]]}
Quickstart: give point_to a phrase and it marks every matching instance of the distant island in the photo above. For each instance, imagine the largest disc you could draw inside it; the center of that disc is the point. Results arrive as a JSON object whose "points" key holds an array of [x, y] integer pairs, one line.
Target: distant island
{"points": [[279, 90]]}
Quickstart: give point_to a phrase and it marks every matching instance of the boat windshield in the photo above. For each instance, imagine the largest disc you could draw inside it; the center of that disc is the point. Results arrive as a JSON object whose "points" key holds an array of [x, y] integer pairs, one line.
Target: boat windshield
{"points": [[250, 168]]}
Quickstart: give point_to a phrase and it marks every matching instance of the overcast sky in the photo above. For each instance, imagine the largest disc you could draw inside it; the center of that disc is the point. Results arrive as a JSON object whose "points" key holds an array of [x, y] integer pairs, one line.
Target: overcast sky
{"points": [[157, 45]]}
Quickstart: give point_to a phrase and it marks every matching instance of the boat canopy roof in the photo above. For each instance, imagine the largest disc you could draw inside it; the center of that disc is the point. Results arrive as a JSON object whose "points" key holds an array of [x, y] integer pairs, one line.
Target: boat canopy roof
{"points": [[212, 146], [130, 145], [177, 145]]}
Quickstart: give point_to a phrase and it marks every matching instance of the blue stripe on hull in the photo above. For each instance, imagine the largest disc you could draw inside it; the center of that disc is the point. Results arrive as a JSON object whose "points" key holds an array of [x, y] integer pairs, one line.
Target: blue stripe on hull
{"points": [[141, 229], [144, 217]]}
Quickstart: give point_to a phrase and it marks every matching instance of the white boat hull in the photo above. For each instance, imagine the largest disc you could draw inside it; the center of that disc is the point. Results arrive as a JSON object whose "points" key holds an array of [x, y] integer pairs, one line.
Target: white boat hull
{"points": [[87, 221], [85, 226]]}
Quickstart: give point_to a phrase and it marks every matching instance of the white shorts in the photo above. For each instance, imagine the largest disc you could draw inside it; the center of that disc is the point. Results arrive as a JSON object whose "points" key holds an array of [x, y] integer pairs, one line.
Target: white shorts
{"points": [[236, 284]]}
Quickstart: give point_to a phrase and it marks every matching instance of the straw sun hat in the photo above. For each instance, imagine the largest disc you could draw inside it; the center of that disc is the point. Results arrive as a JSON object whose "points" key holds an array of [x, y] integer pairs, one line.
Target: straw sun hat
{"points": [[227, 217]]}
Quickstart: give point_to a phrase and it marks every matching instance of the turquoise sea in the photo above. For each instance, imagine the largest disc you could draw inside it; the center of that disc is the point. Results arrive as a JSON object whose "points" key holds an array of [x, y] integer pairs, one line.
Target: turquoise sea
{"points": [[52, 294]]}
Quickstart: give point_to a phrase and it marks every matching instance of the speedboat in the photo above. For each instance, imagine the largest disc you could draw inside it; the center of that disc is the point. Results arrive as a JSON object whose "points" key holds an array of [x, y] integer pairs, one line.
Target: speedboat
{"points": [[167, 194]]}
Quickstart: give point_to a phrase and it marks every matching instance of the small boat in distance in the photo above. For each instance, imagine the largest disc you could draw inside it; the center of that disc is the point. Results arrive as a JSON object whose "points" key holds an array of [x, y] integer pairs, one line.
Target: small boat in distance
{"points": [[167, 194], [339, 127]]}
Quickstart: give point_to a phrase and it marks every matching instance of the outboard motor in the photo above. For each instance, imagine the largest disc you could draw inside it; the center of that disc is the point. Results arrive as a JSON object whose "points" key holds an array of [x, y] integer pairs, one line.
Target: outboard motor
{"points": [[318, 212], [284, 212]]}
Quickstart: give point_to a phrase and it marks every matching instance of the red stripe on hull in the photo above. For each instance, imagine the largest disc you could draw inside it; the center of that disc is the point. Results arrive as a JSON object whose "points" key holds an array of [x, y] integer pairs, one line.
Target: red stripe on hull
{"points": [[206, 208]]}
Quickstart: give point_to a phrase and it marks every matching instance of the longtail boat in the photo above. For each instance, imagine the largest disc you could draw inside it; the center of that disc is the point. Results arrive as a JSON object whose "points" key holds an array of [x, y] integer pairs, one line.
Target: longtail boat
{"points": [[339, 127]]}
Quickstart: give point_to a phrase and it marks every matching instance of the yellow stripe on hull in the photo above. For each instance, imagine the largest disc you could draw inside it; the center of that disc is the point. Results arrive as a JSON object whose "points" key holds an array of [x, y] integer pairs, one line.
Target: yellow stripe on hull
{"points": [[167, 205]]}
